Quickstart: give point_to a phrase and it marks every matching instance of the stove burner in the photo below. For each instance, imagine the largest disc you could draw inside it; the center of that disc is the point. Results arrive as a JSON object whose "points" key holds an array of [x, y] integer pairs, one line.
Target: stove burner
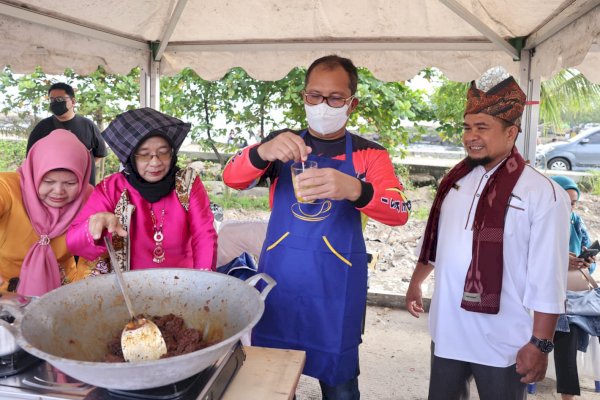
{"points": [[208, 384], [16, 362], [44, 382], [175, 391]]}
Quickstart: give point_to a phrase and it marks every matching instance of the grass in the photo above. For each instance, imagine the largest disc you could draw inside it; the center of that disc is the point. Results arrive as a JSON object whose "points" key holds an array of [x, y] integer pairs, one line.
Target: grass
{"points": [[591, 184], [236, 201], [420, 214]]}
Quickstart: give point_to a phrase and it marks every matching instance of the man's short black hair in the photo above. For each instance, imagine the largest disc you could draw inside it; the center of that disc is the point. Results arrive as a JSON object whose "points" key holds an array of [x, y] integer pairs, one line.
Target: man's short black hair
{"points": [[62, 86], [331, 62]]}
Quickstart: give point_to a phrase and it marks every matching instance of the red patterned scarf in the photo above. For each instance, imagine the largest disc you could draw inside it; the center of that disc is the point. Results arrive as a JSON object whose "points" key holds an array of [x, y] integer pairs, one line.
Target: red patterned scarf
{"points": [[483, 283]]}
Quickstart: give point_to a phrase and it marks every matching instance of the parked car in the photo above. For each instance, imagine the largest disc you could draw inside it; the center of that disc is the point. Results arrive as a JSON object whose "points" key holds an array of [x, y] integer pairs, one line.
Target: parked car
{"points": [[579, 153]]}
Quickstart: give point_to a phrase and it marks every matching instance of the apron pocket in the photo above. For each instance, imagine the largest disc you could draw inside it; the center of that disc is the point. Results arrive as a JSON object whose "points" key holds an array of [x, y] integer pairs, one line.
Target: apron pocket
{"points": [[335, 252], [275, 243]]}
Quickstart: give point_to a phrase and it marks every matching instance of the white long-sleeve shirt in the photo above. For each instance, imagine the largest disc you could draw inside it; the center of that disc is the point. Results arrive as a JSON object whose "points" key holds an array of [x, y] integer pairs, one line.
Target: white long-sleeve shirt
{"points": [[536, 247]]}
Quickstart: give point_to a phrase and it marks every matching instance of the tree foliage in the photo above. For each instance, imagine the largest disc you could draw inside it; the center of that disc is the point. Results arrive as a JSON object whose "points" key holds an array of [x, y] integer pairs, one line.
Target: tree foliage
{"points": [[567, 98], [259, 102], [448, 106], [102, 96], [25, 95], [237, 100], [188, 96], [99, 96]]}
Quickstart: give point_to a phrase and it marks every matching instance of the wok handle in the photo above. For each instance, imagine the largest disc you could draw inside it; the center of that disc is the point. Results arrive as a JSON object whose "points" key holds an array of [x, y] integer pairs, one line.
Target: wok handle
{"points": [[16, 312], [270, 283]]}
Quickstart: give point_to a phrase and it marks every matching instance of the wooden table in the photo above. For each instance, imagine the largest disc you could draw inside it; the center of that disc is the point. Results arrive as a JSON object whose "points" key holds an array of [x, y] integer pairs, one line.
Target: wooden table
{"points": [[267, 374]]}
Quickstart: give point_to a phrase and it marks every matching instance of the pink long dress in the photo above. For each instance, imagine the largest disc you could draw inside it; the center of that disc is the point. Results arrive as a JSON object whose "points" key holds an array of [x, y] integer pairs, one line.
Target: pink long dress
{"points": [[190, 240]]}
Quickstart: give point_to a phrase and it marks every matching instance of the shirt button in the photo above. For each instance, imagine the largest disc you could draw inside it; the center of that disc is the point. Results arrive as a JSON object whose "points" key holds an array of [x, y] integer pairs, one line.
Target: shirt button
{"points": [[486, 176], [477, 195]]}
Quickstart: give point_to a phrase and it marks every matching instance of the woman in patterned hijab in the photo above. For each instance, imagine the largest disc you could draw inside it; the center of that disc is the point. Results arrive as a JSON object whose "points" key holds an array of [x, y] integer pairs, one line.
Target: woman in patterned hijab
{"points": [[157, 214]]}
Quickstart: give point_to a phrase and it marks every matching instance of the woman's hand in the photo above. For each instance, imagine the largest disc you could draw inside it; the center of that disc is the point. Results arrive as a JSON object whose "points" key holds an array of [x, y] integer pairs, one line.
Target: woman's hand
{"points": [[105, 220], [578, 263]]}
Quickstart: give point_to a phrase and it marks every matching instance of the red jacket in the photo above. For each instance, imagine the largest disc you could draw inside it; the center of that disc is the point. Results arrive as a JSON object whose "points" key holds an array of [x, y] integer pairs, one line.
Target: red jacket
{"points": [[382, 197]]}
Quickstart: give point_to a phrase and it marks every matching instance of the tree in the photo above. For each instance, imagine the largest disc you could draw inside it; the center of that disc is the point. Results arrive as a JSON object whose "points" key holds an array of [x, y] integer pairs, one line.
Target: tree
{"points": [[186, 95], [259, 100], [566, 98], [448, 106], [102, 96], [99, 95], [382, 108], [25, 95]]}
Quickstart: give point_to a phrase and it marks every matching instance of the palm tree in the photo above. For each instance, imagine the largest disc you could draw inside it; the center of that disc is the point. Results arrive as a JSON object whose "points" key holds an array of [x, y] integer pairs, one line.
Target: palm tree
{"points": [[567, 96]]}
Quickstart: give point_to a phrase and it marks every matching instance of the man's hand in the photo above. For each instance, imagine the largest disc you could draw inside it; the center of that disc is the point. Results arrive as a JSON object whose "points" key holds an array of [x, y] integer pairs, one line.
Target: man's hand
{"points": [[286, 146], [327, 183], [105, 220], [414, 294], [531, 364], [578, 263], [414, 299]]}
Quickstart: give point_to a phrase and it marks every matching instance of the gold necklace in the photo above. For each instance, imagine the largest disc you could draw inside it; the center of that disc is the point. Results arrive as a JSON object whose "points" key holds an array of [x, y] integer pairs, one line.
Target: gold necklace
{"points": [[159, 252]]}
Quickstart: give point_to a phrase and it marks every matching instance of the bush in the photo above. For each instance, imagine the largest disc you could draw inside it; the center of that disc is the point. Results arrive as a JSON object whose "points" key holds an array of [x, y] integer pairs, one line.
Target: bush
{"points": [[12, 154], [235, 201], [590, 184]]}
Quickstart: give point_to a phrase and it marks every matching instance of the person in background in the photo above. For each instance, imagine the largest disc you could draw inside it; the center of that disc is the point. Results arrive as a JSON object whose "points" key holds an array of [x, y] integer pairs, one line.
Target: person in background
{"points": [[62, 106], [37, 205], [497, 234], [314, 246], [157, 214], [570, 334]]}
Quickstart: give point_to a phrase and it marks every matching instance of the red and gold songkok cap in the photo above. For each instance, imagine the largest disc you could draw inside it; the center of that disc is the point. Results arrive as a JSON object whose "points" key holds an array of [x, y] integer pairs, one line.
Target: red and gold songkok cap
{"points": [[496, 94]]}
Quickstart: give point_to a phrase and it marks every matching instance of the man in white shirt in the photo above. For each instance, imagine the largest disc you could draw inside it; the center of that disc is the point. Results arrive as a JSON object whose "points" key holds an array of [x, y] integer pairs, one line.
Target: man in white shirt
{"points": [[498, 237]]}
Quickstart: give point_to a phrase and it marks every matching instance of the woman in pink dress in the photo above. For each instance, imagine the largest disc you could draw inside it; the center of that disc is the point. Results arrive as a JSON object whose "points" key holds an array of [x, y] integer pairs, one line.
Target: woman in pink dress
{"points": [[157, 214]]}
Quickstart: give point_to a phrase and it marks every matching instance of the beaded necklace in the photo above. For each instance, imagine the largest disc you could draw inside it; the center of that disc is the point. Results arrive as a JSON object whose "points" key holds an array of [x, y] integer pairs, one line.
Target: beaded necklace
{"points": [[159, 252]]}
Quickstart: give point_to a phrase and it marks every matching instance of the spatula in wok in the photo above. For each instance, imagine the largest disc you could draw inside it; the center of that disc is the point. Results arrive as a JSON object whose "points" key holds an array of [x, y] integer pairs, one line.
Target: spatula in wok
{"points": [[141, 339]]}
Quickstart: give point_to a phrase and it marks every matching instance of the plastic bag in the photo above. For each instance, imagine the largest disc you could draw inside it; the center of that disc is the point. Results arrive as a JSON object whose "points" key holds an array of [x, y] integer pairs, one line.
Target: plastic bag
{"points": [[242, 267]]}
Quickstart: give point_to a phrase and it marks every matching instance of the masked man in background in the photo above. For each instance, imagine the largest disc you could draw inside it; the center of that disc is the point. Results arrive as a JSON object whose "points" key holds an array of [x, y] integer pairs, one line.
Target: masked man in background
{"points": [[314, 247], [62, 106]]}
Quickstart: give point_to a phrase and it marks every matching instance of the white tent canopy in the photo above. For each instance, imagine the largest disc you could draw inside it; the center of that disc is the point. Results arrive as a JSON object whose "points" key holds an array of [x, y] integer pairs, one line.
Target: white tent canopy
{"points": [[393, 38]]}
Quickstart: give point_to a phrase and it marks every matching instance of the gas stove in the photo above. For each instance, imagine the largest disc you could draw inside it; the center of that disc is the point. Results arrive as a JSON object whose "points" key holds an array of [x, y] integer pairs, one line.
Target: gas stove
{"points": [[27, 377]]}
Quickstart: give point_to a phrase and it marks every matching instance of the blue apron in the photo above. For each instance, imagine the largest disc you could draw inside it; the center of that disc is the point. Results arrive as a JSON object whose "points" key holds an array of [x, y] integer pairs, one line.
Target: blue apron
{"points": [[316, 253]]}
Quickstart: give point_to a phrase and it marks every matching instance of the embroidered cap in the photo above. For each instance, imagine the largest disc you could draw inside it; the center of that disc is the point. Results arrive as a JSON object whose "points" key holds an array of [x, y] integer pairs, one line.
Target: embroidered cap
{"points": [[128, 129], [504, 99]]}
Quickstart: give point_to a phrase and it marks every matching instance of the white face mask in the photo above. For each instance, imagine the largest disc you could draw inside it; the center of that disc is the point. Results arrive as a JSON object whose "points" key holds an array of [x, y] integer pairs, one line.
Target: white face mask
{"points": [[325, 119]]}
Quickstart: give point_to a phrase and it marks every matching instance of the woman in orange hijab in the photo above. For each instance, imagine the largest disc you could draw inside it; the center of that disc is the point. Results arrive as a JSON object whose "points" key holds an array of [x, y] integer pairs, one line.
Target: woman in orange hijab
{"points": [[37, 204]]}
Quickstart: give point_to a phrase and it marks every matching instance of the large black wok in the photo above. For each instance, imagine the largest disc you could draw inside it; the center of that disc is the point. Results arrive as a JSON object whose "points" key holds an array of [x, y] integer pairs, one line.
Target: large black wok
{"points": [[70, 327]]}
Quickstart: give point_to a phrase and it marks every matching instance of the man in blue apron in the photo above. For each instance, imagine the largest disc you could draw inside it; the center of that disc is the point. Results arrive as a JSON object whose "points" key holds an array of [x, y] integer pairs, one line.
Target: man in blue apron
{"points": [[314, 247]]}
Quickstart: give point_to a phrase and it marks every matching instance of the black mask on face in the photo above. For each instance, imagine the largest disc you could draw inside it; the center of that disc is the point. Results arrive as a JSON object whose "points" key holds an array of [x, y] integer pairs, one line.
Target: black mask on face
{"points": [[58, 107]]}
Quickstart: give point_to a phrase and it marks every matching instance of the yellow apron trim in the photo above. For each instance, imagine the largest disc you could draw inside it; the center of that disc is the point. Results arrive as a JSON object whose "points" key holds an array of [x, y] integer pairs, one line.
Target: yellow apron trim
{"points": [[278, 241], [334, 251]]}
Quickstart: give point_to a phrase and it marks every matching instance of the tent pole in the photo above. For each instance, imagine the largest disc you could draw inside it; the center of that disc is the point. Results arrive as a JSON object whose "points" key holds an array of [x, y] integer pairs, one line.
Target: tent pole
{"points": [[150, 85], [154, 95], [144, 88], [527, 140]]}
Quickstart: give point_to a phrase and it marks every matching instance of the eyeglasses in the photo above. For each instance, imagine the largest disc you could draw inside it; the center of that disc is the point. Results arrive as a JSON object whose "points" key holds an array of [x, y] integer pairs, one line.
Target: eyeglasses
{"points": [[59, 99], [333, 101], [163, 156]]}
